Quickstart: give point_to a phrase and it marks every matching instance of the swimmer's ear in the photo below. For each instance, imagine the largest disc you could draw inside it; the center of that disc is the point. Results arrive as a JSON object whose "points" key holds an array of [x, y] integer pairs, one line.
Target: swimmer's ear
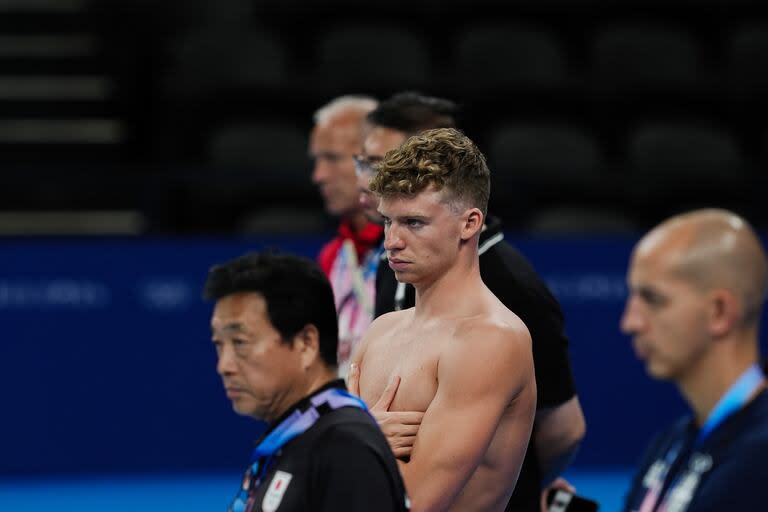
{"points": [[473, 223], [307, 342]]}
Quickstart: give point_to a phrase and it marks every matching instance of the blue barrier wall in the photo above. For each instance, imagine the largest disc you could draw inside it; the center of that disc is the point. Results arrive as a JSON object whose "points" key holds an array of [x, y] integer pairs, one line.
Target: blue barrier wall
{"points": [[106, 365]]}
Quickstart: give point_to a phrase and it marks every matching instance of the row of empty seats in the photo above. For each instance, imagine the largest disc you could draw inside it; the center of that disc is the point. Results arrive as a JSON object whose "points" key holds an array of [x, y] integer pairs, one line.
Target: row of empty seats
{"points": [[536, 147], [533, 166], [480, 57], [199, 122]]}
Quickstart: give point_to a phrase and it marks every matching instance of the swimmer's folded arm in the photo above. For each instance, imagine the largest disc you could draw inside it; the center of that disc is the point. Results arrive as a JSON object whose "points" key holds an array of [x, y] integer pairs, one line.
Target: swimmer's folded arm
{"points": [[479, 380], [399, 427]]}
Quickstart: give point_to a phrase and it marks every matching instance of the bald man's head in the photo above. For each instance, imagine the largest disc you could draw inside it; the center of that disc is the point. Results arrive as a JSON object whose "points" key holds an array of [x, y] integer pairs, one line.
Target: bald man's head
{"points": [[714, 248]]}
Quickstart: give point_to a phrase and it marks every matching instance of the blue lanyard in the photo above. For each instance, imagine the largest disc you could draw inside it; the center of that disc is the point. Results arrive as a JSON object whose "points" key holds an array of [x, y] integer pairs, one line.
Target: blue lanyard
{"points": [[292, 426], [733, 400], [299, 422]]}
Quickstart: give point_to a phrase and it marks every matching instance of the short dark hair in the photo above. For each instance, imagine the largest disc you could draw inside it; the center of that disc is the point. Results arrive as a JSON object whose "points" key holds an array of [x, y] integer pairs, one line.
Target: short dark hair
{"points": [[412, 112], [295, 290]]}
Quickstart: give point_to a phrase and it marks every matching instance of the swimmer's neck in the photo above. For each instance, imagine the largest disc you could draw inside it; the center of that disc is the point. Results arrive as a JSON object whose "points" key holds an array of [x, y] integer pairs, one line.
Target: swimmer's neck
{"points": [[460, 287]]}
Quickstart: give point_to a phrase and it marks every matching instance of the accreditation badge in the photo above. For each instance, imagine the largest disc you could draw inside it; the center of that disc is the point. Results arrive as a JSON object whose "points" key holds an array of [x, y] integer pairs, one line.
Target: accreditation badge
{"points": [[276, 491]]}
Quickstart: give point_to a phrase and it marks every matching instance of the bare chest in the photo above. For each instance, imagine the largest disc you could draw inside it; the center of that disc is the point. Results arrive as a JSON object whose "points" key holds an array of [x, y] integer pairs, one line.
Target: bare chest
{"points": [[409, 354]]}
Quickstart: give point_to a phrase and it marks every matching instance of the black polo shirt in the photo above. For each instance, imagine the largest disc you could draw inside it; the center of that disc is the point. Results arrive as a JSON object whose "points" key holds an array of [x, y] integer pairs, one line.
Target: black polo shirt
{"points": [[342, 462]]}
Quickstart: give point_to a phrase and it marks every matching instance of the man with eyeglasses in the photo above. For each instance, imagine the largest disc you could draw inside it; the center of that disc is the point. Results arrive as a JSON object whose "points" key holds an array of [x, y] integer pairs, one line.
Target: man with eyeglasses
{"points": [[274, 328], [559, 426], [350, 259]]}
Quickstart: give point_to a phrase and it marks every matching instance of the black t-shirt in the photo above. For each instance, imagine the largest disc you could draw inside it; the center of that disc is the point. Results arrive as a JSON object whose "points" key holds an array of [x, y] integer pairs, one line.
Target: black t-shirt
{"points": [[342, 462], [510, 277]]}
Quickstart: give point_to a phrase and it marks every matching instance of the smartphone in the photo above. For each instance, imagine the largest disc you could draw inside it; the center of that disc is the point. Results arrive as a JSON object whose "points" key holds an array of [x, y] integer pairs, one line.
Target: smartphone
{"points": [[559, 500]]}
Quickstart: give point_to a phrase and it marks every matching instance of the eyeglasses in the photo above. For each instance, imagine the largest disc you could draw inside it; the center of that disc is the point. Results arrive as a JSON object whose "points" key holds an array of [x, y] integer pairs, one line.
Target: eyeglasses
{"points": [[366, 166]]}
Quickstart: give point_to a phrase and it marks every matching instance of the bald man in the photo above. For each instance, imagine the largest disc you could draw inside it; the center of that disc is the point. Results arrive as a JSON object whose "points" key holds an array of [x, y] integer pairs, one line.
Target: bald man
{"points": [[697, 283], [351, 258]]}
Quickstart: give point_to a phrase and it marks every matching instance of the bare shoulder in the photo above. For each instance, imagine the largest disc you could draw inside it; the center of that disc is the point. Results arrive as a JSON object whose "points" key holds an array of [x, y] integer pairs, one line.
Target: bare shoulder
{"points": [[387, 322], [378, 330], [493, 348], [501, 331]]}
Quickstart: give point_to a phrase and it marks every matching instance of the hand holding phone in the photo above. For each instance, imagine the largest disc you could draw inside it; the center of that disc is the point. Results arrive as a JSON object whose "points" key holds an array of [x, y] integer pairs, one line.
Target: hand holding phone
{"points": [[559, 500]]}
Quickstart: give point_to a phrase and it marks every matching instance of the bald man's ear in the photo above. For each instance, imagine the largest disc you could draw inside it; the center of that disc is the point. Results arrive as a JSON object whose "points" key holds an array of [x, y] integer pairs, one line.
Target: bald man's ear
{"points": [[307, 342], [725, 312]]}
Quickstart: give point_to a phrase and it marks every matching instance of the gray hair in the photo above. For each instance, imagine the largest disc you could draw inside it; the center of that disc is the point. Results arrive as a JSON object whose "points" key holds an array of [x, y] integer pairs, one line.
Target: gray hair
{"points": [[361, 104]]}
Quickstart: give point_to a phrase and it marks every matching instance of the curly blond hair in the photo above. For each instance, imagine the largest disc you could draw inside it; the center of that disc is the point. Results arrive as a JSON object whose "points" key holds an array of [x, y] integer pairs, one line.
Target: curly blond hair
{"points": [[444, 158]]}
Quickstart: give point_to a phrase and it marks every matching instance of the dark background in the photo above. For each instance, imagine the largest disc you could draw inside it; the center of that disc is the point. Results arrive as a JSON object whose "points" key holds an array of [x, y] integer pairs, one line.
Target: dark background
{"points": [[143, 141], [619, 112]]}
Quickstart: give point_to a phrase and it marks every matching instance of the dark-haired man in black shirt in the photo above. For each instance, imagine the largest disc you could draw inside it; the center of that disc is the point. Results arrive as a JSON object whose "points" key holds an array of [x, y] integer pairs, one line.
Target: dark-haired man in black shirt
{"points": [[276, 334]]}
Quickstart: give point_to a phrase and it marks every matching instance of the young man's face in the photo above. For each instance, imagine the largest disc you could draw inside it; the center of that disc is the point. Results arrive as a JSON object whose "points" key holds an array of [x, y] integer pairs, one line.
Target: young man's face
{"points": [[422, 235], [258, 370], [378, 141], [665, 314]]}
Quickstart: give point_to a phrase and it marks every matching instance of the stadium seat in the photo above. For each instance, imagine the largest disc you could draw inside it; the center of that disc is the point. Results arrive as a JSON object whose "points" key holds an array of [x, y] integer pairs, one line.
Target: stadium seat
{"points": [[636, 57], [688, 149], [683, 162], [363, 58], [280, 149], [545, 153], [579, 221], [257, 166], [748, 56], [212, 59], [494, 56]]}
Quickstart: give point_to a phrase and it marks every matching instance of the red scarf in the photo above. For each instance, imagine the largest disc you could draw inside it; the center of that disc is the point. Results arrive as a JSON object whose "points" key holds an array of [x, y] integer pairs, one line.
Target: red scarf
{"points": [[364, 240]]}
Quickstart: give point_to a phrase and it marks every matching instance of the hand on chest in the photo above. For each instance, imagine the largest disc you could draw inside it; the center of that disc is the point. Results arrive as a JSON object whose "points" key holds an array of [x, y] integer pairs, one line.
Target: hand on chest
{"points": [[412, 356]]}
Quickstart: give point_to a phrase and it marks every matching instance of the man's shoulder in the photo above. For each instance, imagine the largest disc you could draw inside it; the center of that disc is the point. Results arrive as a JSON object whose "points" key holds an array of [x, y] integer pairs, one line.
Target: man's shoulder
{"points": [[512, 278], [388, 321], [740, 461], [500, 331], [346, 419], [349, 421], [501, 316], [750, 431], [759, 408], [488, 352], [508, 272], [348, 428], [499, 324], [501, 256]]}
